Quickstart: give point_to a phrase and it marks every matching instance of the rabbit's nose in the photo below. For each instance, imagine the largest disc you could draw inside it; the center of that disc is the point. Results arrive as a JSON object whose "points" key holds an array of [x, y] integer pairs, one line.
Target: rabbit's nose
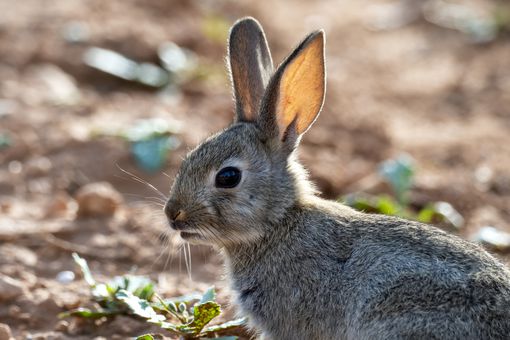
{"points": [[174, 213]]}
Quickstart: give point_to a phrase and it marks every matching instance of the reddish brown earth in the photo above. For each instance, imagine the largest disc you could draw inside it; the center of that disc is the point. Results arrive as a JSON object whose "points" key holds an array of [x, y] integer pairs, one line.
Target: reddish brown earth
{"points": [[419, 89]]}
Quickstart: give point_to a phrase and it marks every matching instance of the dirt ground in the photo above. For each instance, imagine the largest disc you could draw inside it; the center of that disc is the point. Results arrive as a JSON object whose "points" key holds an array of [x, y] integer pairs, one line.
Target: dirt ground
{"points": [[419, 89]]}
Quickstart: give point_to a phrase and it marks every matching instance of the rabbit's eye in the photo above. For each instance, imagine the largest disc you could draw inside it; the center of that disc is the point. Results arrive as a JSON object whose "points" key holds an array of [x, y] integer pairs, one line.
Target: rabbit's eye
{"points": [[228, 177]]}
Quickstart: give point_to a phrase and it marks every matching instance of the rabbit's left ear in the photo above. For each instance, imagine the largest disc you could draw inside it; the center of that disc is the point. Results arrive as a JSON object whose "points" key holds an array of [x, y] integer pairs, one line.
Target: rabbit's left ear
{"points": [[251, 67], [295, 95]]}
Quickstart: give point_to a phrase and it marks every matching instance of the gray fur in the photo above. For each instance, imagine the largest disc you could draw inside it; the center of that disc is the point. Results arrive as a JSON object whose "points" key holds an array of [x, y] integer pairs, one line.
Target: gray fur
{"points": [[250, 66], [307, 268]]}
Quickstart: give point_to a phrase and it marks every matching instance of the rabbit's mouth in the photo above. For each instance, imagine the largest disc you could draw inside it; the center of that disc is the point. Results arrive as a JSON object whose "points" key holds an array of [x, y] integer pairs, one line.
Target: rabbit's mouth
{"points": [[190, 235]]}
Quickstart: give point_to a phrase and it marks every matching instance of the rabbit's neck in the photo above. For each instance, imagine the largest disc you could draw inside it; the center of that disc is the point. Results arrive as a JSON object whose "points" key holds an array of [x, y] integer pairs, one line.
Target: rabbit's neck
{"points": [[243, 255]]}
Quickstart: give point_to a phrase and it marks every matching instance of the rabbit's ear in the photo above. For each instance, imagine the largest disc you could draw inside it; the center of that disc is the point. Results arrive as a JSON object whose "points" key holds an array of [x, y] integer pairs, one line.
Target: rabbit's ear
{"points": [[251, 67], [295, 95]]}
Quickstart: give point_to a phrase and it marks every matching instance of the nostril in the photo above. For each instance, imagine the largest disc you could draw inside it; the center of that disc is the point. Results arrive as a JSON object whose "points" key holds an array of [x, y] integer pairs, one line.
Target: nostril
{"points": [[177, 214], [173, 213]]}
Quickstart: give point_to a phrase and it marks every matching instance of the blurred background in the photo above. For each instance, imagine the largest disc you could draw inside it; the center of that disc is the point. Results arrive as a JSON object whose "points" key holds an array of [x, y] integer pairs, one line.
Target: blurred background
{"points": [[100, 100]]}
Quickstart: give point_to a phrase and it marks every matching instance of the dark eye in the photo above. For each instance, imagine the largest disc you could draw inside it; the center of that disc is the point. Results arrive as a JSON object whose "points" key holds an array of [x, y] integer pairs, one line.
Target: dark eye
{"points": [[228, 177]]}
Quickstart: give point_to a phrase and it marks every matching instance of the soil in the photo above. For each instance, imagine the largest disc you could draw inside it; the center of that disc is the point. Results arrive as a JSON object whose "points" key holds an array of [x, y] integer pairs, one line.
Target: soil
{"points": [[419, 89]]}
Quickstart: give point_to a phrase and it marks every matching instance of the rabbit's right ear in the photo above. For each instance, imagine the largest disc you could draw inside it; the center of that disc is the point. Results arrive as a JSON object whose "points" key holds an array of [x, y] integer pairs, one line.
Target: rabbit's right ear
{"points": [[251, 67], [295, 95]]}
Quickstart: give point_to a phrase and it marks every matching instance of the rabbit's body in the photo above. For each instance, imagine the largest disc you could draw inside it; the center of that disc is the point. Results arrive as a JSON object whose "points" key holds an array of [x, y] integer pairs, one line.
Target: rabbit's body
{"points": [[307, 268], [355, 276]]}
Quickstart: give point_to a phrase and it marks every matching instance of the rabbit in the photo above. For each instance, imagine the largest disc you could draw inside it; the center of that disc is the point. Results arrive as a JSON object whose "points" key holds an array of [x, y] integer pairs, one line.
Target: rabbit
{"points": [[302, 267]]}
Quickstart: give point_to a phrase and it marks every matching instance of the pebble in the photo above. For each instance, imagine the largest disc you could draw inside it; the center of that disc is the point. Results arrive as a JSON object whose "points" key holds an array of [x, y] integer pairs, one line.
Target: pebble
{"points": [[14, 311], [61, 88], [493, 238], [38, 166], [59, 205], [14, 254], [10, 288], [65, 277], [97, 200], [62, 326], [5, 332]]}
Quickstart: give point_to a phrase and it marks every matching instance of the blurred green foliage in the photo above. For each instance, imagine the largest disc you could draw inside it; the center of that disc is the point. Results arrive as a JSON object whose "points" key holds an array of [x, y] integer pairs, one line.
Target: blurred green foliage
{"points": [[188, 317]]}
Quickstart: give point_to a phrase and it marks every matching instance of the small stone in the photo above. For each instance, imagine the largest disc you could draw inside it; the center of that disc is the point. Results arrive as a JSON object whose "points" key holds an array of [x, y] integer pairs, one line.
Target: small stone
{"points": [[68, 300], [10, 288], [60, 205], [18, 255], [8, 107], [62, 326], [493, 238], [97, 200], [5, 206], [28, 278], [24, 316], [14, 311], [61, 87], [39, 166], [15, 167], [5, 332], [65, 277], [75, 32]]}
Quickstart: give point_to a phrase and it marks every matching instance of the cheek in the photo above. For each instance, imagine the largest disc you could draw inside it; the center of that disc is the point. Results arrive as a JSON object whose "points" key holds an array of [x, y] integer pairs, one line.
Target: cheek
{"points": [[249, 205], [210, 210]]}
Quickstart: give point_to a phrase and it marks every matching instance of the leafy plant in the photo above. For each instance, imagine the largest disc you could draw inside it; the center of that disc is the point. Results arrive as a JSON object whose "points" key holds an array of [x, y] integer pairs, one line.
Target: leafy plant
{"points": [[399, 173], [188, 316]]}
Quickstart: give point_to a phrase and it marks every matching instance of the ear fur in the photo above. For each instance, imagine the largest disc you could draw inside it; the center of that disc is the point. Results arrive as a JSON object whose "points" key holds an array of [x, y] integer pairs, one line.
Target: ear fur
{"points": [[251, 67], [295, 95]]}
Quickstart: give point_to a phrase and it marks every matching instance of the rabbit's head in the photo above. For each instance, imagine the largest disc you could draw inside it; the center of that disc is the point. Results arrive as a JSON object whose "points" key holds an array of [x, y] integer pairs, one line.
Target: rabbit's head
{"points": [[237, 183]]}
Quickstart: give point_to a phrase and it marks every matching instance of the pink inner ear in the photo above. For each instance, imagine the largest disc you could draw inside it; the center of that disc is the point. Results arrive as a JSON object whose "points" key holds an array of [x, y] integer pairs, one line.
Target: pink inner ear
{"points": [[302, 87]]}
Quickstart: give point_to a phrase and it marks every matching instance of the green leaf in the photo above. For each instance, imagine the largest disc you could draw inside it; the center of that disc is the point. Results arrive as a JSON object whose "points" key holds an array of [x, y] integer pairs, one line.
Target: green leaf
{"points": [[182, 307], [399, 173], [203, 313], [171, 306], [87, 313], [102, 291], [84, 267], [167, 306], [145, 337], [145, 292], [227, 325], [168, 326], [387, 206], [138, 306], [209, 295], [132, 283], [426, 215]]}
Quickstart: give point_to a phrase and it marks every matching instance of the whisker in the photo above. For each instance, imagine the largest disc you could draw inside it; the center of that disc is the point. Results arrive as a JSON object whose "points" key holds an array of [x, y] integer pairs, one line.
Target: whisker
{"points": [[187, 259], [180, 259], [163, 247], [142, 181]]}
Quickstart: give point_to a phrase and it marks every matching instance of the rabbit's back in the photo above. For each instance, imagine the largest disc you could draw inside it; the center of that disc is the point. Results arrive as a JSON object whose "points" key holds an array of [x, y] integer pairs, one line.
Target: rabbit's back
{"points": [[413, 281], [346, 275]]}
